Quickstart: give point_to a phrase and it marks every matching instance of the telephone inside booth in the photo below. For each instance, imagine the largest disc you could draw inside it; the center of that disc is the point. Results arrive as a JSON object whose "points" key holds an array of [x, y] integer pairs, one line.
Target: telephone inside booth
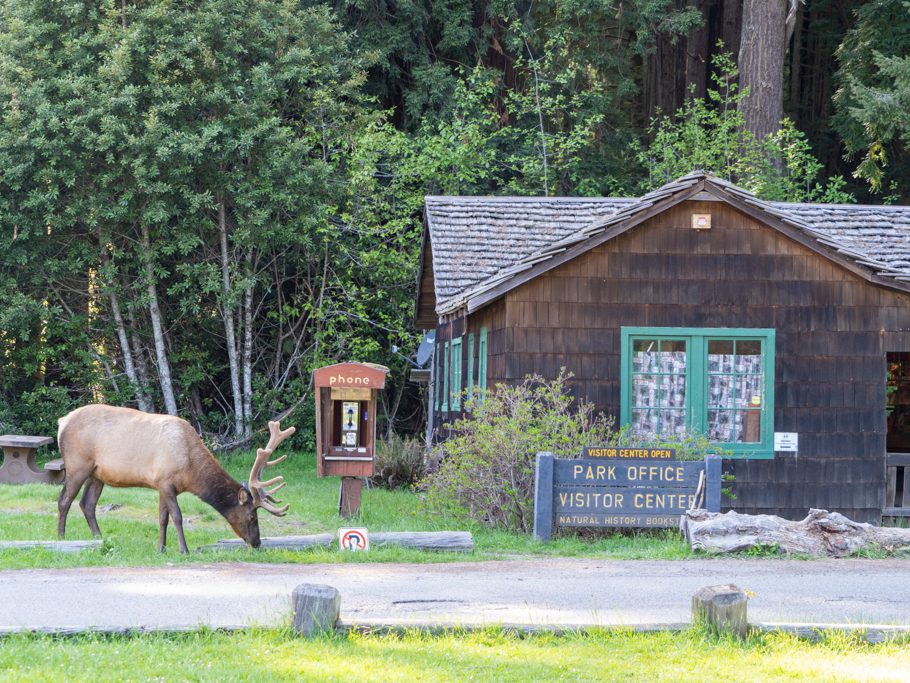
{"points": [[346, 395]]}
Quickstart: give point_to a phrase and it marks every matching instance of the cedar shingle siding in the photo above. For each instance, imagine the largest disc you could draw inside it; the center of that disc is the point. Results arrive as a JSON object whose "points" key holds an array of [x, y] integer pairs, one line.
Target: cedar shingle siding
{"points": [[562, 277]]}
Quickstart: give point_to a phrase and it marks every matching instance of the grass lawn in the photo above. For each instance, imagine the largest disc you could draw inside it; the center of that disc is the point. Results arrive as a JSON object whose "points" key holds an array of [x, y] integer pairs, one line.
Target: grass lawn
{"points": [[129, 522], [490, 655]]}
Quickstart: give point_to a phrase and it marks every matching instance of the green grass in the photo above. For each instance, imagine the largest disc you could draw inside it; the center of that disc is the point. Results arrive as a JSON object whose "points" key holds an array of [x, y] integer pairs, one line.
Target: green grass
{"points": [[131, 531], [488, 655]]}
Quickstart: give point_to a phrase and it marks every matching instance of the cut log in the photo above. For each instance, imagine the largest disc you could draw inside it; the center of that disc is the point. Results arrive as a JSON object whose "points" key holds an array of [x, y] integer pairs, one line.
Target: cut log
{"points": [[821, 533], [316, 608], [723, 608]]}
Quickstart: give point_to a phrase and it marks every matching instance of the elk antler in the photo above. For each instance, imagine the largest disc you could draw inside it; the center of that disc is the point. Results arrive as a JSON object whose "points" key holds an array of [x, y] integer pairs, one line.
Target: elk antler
{"points": [[262, 498]]}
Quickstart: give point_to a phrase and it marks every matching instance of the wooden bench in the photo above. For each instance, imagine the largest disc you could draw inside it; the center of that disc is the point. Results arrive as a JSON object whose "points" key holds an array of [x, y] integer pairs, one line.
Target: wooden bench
{"points": [[19, 466]]}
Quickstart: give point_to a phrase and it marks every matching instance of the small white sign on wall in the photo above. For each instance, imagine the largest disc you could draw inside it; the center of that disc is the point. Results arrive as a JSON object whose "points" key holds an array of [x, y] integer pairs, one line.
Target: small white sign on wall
{"points": [[786, 442]]}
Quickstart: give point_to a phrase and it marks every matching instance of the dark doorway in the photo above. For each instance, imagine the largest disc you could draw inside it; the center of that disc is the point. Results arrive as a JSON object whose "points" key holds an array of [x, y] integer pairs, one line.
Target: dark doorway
{"points": [[897, 497]]}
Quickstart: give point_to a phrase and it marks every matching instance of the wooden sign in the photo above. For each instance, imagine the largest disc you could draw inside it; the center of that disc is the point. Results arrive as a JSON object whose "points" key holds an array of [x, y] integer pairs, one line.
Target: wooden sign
{"points": [[620, 492]]}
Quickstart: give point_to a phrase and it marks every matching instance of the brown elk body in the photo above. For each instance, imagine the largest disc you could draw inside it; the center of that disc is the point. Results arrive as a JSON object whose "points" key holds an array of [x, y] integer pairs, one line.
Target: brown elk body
{"points": [[103, 444]]}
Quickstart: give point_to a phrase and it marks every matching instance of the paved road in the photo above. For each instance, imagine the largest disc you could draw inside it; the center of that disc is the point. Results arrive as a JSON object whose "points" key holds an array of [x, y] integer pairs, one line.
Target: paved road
{"points": [[565, 592]]}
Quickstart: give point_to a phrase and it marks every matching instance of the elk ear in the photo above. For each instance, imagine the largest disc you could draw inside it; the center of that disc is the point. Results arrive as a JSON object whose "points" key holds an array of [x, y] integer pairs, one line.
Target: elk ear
{"points": [[243, 495]]}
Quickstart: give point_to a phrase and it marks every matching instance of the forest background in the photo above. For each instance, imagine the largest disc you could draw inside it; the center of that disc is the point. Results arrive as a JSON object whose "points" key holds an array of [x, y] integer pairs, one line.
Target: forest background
{"points": [[201, 201]]}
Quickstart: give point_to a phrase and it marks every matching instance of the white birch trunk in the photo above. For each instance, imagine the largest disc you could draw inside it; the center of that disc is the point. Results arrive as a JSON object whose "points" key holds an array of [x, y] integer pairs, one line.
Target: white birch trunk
{"points": [[248, 348], [164, 367], [142, 368], [125, 350], [227, 314]]}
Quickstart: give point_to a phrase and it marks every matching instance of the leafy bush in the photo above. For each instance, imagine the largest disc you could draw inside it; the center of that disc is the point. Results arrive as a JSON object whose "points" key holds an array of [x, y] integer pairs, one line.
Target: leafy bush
{"points": [[710, 134], [485, 471], [399, 462]]}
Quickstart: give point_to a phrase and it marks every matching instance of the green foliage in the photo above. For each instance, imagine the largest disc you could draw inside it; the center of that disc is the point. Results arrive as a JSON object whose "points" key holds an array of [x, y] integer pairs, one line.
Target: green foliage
{"points": [[710, 134], [873, 96], [399, 462], [485, 470]]}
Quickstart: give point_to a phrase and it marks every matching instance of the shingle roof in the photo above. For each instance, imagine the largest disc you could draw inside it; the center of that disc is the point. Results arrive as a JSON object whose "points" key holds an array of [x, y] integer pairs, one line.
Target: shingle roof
{"points": [[479, 243], [473, 238]]}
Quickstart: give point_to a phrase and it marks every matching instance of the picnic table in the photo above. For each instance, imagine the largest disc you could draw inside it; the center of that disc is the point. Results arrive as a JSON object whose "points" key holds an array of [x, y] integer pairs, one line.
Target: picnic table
{"points": [[19, 465]]}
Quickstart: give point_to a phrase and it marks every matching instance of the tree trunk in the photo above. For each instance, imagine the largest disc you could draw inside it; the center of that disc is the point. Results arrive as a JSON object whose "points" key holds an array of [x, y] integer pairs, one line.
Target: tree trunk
{"points": [[697, 51], [731, 24], [248, 348], [142, 368], [164, 368], [820, 533], [761, 65], [227, 314], [125, 351]]}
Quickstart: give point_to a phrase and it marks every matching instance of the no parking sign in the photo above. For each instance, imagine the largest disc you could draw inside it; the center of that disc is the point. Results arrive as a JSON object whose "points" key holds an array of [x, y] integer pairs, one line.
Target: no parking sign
{"points": [[354, 539]]}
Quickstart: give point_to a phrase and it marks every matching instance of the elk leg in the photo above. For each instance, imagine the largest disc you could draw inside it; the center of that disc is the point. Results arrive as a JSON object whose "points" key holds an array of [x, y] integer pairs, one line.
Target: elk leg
{"points": [[162, 521], [170, 498], [71, 486], [90, 496]]}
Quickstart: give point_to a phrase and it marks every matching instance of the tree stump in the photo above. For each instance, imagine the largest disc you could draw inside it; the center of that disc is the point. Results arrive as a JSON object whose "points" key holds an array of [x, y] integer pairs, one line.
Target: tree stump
{"points": [[723, 608], [821, 533], [316, 608]]}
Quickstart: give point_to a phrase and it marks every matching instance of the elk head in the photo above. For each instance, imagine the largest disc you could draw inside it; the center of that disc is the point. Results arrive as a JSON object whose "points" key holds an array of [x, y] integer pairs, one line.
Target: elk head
{"points": [[243, 519]]}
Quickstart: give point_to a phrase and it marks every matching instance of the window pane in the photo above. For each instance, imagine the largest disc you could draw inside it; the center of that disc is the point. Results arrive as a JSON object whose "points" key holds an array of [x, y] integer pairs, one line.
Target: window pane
{"points": [[748, 391], [748, 356], [720, 356], [673, 391], [672, 422], [644, 391], [673, 356], [749, 429], [720, 425], [644, 421], [720, 391], [645, 356]]}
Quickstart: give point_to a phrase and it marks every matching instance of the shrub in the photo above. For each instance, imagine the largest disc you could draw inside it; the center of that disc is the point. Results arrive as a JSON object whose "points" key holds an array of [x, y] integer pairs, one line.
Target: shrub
{"points": [[485, 470], [399, 462]]}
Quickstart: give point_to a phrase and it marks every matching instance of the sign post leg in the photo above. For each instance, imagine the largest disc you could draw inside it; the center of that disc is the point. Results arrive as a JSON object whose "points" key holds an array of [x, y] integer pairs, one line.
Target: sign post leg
{"points": [[349, 496], [712, 483], [543, 497]]}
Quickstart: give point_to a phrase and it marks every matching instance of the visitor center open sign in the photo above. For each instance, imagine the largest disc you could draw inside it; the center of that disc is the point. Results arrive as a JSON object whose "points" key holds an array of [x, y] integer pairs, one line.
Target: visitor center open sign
{"points": [[621, 487]]}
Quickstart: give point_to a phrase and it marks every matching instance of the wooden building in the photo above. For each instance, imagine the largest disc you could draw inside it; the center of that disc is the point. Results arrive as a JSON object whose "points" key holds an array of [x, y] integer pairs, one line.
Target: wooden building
{"points": [[700, 307]]}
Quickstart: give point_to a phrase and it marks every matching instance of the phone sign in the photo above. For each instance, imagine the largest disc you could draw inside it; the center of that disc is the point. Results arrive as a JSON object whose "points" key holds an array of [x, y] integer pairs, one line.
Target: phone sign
{"points": [[353, 539]]}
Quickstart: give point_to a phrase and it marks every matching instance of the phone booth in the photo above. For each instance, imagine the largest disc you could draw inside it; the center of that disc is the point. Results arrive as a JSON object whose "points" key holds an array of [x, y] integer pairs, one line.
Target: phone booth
{"points": [[346, 426]]}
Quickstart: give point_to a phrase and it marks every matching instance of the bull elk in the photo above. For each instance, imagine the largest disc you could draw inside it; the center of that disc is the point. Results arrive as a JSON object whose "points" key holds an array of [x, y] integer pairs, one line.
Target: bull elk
{"points": [[123, 447]]}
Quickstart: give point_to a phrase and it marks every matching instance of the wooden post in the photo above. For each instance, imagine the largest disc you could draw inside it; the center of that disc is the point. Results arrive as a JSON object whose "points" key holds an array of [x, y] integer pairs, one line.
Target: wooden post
{"points": [[543, 497], [316, 608], [712, 483], [722, 608], [349, 496]]}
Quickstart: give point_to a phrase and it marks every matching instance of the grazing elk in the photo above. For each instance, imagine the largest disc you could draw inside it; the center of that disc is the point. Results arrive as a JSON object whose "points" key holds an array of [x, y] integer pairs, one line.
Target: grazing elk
{"points": [[123, 447]]}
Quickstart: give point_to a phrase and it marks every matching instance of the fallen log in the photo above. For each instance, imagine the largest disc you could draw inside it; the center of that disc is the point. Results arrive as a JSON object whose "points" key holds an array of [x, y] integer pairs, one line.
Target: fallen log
{"points": [[821, 533], [451, 541], [56, 546], [276, 543]]}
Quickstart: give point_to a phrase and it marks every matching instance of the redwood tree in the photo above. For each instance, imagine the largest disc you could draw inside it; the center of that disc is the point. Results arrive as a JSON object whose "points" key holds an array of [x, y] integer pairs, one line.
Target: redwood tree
{"points": [[761, 64]]}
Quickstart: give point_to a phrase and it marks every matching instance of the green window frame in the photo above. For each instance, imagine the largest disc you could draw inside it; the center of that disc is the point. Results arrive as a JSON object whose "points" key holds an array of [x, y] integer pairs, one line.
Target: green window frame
{"points": [[715, 381], [437, 378], [456, 361], [482, 364], [445, 378], [470, 382]]}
